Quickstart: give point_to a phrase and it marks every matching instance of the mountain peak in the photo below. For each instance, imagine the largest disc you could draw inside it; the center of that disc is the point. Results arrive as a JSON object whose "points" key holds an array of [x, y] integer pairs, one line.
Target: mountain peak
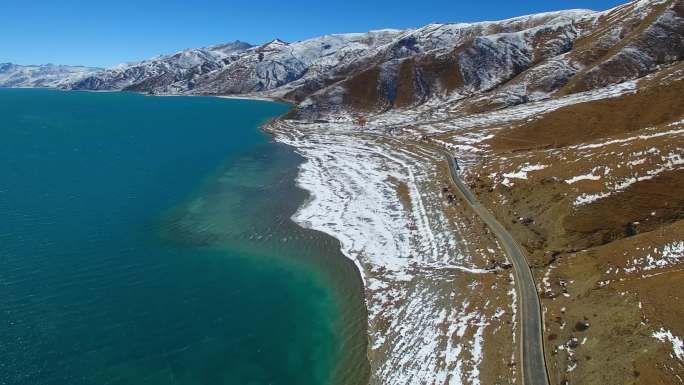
{"points": [[276, 41]]}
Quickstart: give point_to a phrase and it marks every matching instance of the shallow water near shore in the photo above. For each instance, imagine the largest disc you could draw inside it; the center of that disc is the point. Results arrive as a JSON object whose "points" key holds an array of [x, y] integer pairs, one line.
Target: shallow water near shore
{"points": [[148, 240]]}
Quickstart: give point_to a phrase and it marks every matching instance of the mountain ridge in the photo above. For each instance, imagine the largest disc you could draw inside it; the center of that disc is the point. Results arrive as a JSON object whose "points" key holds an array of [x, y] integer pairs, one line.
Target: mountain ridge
{"points": [[506, 62], [42, 75]]}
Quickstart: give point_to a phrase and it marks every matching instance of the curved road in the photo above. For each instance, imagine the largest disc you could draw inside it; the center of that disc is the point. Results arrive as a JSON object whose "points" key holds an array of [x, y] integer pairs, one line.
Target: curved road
{"points": [[529, 312]]}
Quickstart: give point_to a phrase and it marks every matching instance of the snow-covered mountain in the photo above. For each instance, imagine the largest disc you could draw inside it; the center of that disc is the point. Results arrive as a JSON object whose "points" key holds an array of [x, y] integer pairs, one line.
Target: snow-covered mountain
{"points": [[475, 66], [161, 71], [295, 70], [47, 75], [277, 64], [491, 64]]}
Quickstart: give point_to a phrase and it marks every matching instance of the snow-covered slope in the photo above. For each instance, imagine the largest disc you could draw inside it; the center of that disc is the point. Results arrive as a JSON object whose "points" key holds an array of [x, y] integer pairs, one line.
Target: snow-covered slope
{"points": [[47, 75], [277, 63], [493, 65], [161, 71], [296, 70], [475, 66]]}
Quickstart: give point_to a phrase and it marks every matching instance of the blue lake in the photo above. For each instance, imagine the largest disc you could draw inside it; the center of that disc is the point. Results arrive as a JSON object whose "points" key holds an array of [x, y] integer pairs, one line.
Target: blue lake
{"points": [[147, 240]]}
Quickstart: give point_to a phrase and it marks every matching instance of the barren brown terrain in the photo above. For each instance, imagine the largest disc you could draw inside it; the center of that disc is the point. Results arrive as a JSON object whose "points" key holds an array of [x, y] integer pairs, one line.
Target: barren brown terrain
{"points": [[601, 215]]}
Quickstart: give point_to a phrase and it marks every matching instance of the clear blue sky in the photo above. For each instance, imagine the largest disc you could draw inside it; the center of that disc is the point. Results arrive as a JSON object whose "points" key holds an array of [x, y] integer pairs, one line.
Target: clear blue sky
{"points": [[99, 33]]}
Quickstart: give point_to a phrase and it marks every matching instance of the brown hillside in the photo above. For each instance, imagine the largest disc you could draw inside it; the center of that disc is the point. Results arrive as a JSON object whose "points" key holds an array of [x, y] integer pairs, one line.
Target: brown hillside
{"points": [[589, 121], [362, 90], [629, 212]]}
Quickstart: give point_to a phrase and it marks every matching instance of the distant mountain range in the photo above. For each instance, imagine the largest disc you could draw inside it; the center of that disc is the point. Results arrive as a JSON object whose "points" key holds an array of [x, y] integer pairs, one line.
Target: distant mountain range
{"points": [[492, 64], [164, 73], [46, 75]]}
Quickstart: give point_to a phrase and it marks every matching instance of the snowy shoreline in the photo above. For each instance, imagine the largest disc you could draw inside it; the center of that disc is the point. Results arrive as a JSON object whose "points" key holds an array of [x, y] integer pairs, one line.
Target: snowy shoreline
{"points": [[247, 97], [403, 245]]}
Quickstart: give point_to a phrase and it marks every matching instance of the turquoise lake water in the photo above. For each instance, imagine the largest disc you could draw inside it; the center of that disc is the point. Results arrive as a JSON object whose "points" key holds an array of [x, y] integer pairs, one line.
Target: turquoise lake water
{"points": [[147, 240]]}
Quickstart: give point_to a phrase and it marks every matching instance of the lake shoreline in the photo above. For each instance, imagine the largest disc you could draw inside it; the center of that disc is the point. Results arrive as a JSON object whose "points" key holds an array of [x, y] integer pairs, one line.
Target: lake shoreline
{"points": [[381, 197], [350, 367]]}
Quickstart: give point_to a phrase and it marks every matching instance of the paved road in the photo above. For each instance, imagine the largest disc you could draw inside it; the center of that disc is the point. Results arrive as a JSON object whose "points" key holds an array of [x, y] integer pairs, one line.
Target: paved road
{"points": [[529, 311]]}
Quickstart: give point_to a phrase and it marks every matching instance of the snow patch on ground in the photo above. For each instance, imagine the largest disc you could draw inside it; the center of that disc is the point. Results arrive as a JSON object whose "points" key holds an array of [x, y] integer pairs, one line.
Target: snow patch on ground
{"points": [[670, 161], [630, 139], [521, 173], [657, 258], [578, 178], [663, 335]]}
